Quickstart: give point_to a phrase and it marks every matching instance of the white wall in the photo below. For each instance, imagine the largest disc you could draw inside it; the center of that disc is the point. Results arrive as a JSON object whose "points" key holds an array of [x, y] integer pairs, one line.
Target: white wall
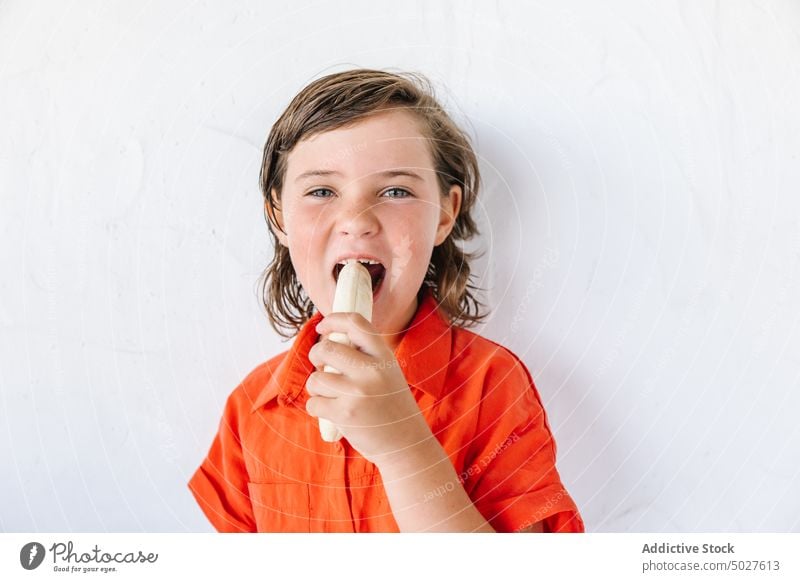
{"points": [[640, 214]]}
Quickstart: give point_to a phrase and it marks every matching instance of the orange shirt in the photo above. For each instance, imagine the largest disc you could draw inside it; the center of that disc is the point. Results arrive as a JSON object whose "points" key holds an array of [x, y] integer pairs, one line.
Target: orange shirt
{"points": [[268, 470]]}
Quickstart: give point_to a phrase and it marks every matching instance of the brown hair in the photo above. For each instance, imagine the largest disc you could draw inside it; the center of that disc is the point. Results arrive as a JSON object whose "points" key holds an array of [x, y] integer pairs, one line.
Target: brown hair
{"points": [[342, 99]]}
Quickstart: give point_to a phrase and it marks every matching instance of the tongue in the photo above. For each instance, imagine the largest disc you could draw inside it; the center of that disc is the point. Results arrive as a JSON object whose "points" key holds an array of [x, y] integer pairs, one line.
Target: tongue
{"points": [[376, 272]]}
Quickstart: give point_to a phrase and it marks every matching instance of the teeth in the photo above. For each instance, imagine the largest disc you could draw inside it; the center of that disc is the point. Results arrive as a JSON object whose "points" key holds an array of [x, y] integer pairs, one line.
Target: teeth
{"points": [[365, 261]]}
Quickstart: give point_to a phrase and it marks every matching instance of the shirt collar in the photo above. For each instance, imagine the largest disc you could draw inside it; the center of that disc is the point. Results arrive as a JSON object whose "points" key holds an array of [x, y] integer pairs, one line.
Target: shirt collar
{"points": [[423, 355]]}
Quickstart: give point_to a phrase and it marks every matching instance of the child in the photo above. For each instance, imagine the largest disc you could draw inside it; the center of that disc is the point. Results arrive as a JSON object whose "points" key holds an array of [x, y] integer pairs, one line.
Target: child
{"points": [[443, 429]]}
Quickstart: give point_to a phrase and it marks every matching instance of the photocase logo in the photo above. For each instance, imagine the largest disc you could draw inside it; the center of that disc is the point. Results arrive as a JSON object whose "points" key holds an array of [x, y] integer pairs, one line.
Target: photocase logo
{"points": [[31, 555], [67, 558]]}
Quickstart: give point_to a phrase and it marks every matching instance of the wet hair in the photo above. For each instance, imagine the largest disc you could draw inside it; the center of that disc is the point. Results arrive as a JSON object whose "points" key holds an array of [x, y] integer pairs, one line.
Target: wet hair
{"points": [[342, 99]]}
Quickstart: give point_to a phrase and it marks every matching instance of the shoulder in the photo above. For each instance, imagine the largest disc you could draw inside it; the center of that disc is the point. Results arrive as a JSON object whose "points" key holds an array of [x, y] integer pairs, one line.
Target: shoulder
{"points": [[475, 354], [494, 375]]}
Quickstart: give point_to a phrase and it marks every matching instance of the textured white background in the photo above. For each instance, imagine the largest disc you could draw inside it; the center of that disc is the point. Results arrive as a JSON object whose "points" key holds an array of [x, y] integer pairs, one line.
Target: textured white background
{"points": [[640, 214]]}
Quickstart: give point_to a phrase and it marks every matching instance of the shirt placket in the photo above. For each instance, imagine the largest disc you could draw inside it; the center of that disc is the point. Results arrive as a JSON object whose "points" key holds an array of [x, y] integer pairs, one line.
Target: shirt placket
{"points": [[337, 475]]}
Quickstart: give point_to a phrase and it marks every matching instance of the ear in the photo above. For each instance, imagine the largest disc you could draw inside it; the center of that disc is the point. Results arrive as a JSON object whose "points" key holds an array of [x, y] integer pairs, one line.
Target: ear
{"points": [[276, 218], [450, 205]]}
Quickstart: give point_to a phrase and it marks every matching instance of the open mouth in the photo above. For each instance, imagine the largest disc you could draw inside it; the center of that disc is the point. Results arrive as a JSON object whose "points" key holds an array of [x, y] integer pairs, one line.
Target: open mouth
{"points": [[377, 272]]}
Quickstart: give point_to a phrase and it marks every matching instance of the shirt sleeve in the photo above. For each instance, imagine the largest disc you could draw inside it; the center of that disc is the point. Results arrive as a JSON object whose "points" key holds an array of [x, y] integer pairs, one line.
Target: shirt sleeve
{"points": [[220, 483], [512, 478]]}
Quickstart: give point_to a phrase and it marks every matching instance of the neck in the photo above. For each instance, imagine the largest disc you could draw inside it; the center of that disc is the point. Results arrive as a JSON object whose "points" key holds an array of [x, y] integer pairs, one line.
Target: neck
{"points": [[393, 339]]}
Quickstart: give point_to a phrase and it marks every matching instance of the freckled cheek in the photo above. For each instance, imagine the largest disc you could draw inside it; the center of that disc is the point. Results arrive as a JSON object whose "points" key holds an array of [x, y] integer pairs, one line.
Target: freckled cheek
{"points": [[302, 217], [420, 228], [306, 243]]}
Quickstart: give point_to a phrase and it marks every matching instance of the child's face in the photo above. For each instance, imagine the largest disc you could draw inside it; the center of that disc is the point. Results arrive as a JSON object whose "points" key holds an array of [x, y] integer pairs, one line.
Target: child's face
{"points": [[356, 211]]}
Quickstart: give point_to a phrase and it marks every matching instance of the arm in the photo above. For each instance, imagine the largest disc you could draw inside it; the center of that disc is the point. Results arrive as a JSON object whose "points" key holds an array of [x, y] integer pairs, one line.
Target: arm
{"points": [[425, 493]]}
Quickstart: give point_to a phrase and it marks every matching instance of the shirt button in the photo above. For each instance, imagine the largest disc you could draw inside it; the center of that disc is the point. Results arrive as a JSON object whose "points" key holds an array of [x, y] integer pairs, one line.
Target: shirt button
{"points": [[338, 447]]}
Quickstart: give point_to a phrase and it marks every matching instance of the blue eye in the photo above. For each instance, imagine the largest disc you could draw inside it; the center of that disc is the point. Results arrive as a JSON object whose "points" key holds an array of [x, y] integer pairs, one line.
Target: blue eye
{"points": [[313, 193], [406, 193], [325, 193]]}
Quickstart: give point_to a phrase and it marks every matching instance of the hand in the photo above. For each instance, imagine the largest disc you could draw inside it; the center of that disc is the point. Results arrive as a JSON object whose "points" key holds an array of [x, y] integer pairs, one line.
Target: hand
{"points": [[370, 400]]}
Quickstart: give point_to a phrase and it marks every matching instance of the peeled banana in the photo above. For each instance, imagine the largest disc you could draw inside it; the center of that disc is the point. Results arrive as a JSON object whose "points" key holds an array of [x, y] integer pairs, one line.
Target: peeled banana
{"points": [[353, 295]]}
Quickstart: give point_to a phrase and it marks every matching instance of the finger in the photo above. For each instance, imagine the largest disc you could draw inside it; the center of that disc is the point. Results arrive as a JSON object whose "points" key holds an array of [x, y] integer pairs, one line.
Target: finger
{"points": [[332, 410], [321, 407], [361, 333], [346, 359], [328, 385]]}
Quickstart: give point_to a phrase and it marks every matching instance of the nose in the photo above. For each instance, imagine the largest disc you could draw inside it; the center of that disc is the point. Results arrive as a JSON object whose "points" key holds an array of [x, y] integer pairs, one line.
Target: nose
{"points": [[357, 217]]}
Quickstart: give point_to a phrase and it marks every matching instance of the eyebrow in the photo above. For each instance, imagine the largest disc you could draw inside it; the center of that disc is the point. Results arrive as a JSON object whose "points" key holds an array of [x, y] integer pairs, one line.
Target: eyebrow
{"points": [[385, 173]]}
